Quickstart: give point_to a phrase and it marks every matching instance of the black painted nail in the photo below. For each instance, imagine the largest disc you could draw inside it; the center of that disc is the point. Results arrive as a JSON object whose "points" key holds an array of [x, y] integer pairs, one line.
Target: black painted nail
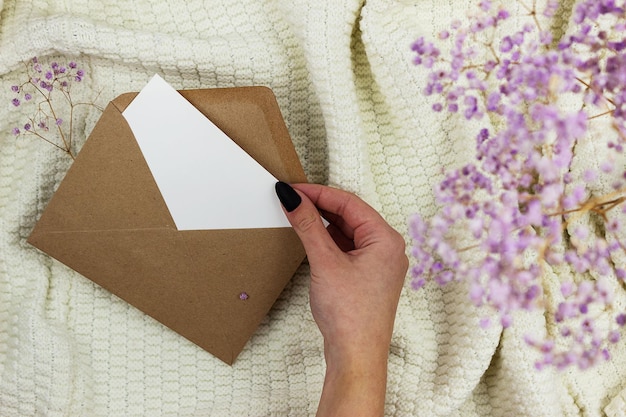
{"points": [[288, 197]]}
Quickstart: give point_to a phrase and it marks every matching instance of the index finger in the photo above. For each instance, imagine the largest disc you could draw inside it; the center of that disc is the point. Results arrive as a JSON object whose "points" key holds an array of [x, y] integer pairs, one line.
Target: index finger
{"points": [[344, 209]]}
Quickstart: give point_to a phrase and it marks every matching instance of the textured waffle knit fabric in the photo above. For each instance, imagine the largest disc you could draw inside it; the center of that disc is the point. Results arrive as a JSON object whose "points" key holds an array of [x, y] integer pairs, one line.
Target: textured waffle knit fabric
{"points": [[342, 74]]}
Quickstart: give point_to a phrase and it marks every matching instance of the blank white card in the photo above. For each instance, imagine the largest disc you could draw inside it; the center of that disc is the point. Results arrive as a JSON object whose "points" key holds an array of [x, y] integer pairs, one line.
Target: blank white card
{"points": [[206, 179]]}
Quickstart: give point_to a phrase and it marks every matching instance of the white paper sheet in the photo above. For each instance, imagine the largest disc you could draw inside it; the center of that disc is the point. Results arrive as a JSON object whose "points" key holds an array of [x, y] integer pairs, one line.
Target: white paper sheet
{"points": [[206, 179]]}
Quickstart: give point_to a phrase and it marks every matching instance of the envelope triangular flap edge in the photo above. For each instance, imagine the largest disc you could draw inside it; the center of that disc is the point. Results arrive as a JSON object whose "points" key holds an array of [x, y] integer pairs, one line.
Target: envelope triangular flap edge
{"points": [[246, 115], [108, 222]]}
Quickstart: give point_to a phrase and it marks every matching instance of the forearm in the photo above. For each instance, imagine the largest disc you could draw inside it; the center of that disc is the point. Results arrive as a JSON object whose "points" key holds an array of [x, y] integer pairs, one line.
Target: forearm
{"points": [[355, 386]]}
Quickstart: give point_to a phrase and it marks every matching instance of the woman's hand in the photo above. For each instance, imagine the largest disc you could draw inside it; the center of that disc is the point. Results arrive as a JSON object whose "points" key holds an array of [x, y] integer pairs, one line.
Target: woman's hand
{"points": [[358, 265]]}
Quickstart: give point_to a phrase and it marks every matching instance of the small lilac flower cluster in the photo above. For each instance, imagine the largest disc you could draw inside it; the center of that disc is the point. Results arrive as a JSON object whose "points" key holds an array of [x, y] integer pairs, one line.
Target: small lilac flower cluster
{"points": [[46, 82], [519, 200], [578, 325]]}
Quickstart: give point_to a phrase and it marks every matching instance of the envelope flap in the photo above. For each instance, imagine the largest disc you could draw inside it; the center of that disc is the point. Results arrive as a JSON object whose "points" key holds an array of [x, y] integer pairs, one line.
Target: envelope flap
{"points": [[108, 187], [249, 116]]}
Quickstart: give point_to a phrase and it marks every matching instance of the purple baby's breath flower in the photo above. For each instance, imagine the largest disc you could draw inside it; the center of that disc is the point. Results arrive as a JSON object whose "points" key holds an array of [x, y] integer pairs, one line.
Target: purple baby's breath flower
{"points": [[493, 101], [503, 14], [471, 107], [485, 5], [418, 283], [48, 111], [506, 44], [590, 176], [551, 7], [517, 199], [613, 226], [606, 167], [567, 289], [518, 37], [546, 38]]}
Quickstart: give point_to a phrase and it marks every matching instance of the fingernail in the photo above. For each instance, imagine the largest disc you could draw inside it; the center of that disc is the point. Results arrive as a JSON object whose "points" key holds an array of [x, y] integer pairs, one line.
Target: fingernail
{"points": [[288, 197]]}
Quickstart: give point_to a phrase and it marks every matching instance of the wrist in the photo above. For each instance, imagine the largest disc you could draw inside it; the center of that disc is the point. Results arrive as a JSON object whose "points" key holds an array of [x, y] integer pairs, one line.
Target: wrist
{"points": [[356, 358], [355, 382]]}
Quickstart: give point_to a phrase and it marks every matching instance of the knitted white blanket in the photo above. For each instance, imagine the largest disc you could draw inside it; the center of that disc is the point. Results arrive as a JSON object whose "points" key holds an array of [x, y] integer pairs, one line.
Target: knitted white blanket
{"points": [[342, 74]]}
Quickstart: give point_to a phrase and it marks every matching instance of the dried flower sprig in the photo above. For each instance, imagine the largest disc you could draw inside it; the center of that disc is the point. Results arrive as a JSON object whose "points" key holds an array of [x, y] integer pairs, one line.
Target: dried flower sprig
{"points": [[48, 87], [523, 204]]}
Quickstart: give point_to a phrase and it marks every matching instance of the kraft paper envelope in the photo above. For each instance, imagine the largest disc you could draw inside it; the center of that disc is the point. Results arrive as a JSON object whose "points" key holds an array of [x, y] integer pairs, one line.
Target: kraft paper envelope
{"points": [[109, 222]]}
